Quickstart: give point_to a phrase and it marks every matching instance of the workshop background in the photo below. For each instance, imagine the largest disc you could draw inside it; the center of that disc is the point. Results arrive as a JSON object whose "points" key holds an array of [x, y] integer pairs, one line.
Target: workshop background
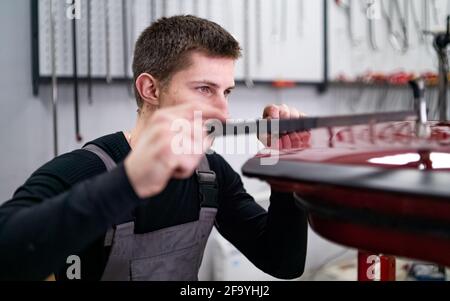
{"points": [[322, 57]]}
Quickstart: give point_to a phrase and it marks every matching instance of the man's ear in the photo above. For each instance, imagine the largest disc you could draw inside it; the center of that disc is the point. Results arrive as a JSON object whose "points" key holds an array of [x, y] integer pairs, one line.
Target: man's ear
{"points": [[148, 88]]}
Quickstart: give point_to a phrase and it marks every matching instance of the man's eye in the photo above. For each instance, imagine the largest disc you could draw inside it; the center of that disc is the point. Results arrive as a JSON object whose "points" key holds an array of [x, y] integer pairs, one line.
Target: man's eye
{"points": [[204, 89], [227, 93]]}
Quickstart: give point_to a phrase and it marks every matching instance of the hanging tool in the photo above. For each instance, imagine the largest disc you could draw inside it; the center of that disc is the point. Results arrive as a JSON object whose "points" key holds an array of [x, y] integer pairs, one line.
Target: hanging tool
{"points": [[75, 74], [420, 106], [370, 15], [394, 37], [448, 8], [399, 42], [54, 77], [89, 51], [426, 15], [347, 6], [441, 42], [258, 33], [107, 43], [247, 62], [404, 21], [417, 23], [426, 25]]}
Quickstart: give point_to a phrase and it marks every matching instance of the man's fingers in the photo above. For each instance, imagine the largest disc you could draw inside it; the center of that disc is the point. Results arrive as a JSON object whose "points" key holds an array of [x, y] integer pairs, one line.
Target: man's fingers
{"points": [[305, 138], [295, 114], [194, 147], [271, 112], [296, 140], [285, 142], [185, 169], [285, 112], [186, 165], [285, 139]]}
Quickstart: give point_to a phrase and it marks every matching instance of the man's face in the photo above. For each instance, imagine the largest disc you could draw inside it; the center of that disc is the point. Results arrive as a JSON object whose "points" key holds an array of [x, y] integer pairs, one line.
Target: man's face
{"points": [[207, 79]]}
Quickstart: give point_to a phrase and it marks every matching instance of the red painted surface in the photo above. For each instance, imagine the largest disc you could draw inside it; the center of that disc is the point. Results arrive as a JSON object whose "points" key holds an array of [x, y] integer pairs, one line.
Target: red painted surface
{"points": [[388, 145], [391, 146], [387, 267], [379, 202], [385, 241]]}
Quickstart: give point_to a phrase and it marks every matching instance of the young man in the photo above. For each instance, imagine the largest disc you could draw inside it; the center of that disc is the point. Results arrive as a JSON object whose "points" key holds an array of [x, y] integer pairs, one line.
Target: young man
{"points": [[130, 207]]}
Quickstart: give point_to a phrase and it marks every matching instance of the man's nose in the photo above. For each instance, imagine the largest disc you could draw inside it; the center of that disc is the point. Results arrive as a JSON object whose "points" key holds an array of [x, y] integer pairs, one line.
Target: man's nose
{"points": [[221, 102]]}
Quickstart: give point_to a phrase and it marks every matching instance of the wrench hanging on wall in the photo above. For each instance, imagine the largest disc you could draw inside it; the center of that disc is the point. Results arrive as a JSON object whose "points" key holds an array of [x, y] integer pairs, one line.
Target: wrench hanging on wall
{"points": [[395, 39], [89, 50], [370, 11], [441, 42], [417, 23], [54, 76], [404, 21], [347, 6], [448, 8], [426, 15], [75, 74], [426, 26]]}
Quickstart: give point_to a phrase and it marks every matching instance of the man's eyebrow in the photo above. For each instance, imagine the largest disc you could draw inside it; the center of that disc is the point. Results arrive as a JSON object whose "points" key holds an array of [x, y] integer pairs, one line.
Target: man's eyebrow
{"points": [[209, 83]]}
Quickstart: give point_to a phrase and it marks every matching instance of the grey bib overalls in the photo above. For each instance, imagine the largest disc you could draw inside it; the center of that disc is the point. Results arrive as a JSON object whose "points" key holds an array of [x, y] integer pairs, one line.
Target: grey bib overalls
{"points": [[173, 253]]}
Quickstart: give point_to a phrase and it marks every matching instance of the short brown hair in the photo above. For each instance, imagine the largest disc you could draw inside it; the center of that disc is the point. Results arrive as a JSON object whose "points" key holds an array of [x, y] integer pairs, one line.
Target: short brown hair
{"points": [[163, 48]]}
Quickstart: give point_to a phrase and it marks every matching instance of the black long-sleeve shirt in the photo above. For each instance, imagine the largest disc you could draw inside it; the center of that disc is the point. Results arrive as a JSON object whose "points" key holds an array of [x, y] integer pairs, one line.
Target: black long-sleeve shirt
{"points": [[68, 204]]}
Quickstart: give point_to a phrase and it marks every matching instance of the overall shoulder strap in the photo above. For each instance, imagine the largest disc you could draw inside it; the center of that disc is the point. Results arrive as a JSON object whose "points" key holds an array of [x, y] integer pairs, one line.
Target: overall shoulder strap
{"points": [[107, 160], [205, 176], [110, 164], [207, 184]]}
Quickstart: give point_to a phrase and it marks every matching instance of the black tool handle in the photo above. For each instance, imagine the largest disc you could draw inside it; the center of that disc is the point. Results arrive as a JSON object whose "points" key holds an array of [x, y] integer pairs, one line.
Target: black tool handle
{"points": [[75, 75]]}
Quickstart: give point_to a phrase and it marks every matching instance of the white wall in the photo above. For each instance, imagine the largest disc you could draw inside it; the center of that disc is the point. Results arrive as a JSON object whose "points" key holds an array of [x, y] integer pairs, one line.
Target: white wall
{"points": [[26, 121]]}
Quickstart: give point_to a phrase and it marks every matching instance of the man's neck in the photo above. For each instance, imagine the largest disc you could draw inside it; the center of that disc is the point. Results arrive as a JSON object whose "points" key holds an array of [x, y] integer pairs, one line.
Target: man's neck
{"points": [[141, 124]]}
